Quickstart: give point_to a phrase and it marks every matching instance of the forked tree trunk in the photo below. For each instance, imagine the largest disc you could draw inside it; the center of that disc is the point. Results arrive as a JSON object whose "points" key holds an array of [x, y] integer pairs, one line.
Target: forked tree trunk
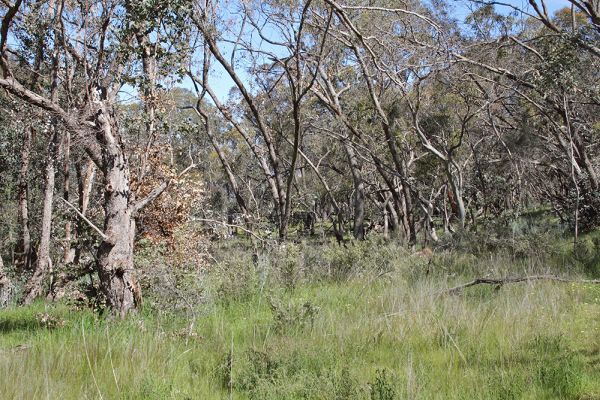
{"points": [[394, 219], [35, 285], [459, 207], [383, 201]]}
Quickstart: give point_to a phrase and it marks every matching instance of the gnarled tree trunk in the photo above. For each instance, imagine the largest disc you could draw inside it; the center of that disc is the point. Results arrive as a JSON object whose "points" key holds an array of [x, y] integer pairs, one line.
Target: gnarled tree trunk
{"points": [[115, 253]]}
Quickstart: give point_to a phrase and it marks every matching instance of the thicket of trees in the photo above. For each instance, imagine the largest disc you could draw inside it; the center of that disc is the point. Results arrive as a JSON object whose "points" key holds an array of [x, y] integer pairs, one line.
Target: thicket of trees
{"points": [[363, 115]]}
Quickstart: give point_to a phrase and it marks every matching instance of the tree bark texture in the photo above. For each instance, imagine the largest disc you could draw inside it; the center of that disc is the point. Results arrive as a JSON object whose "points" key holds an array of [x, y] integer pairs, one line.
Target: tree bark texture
{"points": [[24, 247], [35, 285]]}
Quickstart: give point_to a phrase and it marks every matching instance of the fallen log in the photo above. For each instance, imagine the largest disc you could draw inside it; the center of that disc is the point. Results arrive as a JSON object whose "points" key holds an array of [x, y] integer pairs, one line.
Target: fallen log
{"points": [[503, 281]]}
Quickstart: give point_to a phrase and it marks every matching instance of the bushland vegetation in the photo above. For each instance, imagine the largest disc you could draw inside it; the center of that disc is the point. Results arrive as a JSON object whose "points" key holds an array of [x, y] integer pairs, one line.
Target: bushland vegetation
{"points": [[299, 199]]}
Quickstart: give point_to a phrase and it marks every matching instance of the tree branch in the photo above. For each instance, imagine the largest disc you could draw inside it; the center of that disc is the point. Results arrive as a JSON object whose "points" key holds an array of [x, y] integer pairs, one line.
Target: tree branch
{"points": [[90, 223], [157, 191], [230, 225], [502, 281]]}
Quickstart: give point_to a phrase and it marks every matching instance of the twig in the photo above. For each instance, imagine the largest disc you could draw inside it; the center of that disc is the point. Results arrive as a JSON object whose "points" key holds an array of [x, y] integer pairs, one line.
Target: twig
{"points": [[85, 219], [157, 191], [230, 225], [502, 281]]}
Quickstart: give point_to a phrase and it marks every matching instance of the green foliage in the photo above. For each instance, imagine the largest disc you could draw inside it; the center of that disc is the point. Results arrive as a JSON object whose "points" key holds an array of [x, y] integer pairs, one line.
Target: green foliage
{"points": [[170, 272], [292, 315], [236, 279], [586, 202], [360, 258], [382, 388], [288, 263], [522, 235], [586, 253], [557, 366]]}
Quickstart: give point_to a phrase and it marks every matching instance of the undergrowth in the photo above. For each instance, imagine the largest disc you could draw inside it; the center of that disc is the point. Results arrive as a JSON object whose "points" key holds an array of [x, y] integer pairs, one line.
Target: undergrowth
{"points": [[302, 321]]}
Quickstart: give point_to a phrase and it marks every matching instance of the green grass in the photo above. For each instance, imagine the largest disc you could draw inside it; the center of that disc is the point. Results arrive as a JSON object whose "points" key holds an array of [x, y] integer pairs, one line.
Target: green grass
{"points": [[365, 341], [377, 331]]}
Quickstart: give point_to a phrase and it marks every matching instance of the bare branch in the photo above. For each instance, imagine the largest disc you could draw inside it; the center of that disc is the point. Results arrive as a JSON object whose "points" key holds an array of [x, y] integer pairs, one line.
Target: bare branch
{"points": [[90, 223], [157, 191], [502, 281]]}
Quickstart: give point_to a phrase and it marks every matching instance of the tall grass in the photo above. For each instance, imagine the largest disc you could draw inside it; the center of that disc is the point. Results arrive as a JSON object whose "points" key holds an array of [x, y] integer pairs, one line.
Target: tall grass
{"points": [[322, 323]]}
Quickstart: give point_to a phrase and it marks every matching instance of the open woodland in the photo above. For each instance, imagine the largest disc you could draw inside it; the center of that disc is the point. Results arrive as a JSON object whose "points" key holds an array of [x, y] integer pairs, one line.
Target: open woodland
{"points": [[300, 199]]}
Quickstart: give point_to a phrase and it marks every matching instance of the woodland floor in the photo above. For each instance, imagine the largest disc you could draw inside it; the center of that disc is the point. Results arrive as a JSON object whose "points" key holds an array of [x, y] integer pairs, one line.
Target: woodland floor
{"points": [[371, 336]]}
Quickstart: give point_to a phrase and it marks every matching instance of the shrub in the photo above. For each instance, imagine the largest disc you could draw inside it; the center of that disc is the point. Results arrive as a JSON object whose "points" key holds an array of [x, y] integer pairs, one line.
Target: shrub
{"points": [[171, 272], [382, 388], [292, 315]]}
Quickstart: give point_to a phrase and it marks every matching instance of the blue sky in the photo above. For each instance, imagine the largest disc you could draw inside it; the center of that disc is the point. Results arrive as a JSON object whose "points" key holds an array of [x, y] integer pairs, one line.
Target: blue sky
{"points": [[222, 83], [462, 6]]}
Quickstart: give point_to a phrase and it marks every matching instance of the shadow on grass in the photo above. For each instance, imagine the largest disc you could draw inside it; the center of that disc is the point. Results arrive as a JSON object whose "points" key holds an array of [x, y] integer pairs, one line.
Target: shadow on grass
{"points": [[21, 324]]}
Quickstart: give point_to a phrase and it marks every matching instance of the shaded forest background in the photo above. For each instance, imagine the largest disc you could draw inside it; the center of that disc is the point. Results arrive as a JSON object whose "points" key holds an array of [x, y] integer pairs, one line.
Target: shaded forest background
{"points": [[347, 121]]}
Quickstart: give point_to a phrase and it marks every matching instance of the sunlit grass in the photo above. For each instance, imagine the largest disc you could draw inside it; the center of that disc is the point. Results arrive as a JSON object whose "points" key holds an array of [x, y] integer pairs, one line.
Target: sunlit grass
{"points": [[367, 338]]}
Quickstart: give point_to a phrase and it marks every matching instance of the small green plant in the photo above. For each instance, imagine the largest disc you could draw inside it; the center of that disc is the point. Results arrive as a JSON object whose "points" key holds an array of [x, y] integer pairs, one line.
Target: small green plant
{"points": [[557, 365], [292, 315], [344, 386], [586, 253], [236, 279], [288, 263], [226, 372], [382, 388]]}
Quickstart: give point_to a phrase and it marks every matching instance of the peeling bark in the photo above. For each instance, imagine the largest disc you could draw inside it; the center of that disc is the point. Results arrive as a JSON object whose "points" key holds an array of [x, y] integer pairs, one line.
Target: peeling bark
{"points": [[114, 259]]}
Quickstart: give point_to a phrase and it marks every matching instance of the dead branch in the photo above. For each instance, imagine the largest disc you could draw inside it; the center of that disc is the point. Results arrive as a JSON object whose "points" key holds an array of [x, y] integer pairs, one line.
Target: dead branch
{"points": [[231, 226], [502, 281], [90, 223], [157, 191]]}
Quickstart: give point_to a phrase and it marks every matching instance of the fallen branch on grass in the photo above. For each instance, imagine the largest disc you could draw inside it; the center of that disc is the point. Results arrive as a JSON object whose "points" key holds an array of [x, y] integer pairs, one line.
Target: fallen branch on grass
{"points": [[502, 281]]}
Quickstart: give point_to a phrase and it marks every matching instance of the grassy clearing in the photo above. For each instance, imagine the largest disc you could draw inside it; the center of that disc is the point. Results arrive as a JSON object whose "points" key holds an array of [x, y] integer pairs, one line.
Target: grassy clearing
{"points": [[372, 335]]}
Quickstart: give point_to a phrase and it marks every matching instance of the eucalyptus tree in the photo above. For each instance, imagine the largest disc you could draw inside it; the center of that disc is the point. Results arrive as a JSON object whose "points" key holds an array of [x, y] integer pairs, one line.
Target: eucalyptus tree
{"points": [[87, 54]]}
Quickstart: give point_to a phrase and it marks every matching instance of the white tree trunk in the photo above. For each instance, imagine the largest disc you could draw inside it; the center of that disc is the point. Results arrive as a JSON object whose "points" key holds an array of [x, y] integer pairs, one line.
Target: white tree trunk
{"points": [[35, 284], [115, 253]]}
